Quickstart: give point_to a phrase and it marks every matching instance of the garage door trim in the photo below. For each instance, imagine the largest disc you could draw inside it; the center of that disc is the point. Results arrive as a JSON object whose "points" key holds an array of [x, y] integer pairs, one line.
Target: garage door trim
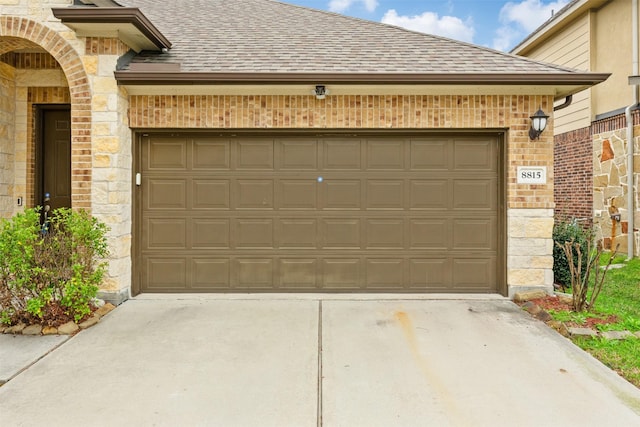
{"points": [[500, 135]]}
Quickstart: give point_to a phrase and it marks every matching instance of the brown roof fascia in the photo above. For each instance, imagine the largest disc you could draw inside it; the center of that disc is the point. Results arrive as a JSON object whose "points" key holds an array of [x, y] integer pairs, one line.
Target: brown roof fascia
{"points": [[113, 15], [188, 78]]}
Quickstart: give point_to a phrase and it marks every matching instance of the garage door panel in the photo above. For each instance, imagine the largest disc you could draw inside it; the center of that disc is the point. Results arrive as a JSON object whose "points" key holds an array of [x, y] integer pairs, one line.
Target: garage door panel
{"points": [[254, 273], [211, 155], [298, 155], [477, 234], [474, 155], [341, 233], [433, 233], [385, 234], [249, 213], [342, 154], [385, 194], [166, 153], [165, 233], [385, 273], [298, 233], [430, 155], [433, 194], [211, 194], [165, 194], [254, 194], [298, 273], [341, 194], [474, 273], [342, 273], [164, 273], [426, 273], [255, 155], [476, 194], [298, 194], [385, 155], [253, 233], [210, 273], [209, 233]]}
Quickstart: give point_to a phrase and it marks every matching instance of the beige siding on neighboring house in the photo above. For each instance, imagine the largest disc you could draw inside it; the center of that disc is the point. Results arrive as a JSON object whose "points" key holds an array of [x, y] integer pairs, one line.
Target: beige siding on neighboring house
{"points": [[613, 53], [569, 48]]}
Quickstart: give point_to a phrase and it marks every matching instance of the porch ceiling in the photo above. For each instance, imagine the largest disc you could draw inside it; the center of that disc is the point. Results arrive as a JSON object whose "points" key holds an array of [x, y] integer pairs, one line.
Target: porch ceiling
{"points": [[15, 44]]}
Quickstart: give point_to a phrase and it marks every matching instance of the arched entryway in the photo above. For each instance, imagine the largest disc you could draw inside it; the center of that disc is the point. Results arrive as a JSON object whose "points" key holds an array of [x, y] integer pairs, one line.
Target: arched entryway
{"points": [[40, 71]]}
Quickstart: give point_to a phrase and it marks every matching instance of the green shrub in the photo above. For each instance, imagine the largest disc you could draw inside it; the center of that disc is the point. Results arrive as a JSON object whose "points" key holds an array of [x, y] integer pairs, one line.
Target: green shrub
{"points": [[568, 231], [56, 265]]}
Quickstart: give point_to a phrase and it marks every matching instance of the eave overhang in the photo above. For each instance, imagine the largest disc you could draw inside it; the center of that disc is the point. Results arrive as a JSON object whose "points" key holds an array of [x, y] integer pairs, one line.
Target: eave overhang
{"points": [[127, 23], [560, 84]]}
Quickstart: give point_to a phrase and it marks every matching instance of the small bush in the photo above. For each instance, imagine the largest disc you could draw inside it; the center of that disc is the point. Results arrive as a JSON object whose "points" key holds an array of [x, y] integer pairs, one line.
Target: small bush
{"points": [[568, 231], [56, 265]]}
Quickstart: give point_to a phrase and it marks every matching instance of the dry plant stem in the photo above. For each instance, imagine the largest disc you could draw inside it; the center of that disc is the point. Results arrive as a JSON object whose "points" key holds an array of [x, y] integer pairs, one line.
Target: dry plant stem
{"points": [[598, 281], [579, 284]]}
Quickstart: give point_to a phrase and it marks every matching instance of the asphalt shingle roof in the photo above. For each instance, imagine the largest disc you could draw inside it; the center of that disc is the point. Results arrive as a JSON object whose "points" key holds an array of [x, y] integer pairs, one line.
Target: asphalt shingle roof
{"points": [[267, 36]]}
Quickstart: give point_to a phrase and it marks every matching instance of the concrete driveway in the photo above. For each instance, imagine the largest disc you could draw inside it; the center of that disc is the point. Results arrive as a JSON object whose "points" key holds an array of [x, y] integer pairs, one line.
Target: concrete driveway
{"points": [[308, 361]]}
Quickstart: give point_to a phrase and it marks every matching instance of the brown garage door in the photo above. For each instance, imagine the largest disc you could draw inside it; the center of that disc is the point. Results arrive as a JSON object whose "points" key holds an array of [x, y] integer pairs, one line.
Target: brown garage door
{"points": [[339, 213]]}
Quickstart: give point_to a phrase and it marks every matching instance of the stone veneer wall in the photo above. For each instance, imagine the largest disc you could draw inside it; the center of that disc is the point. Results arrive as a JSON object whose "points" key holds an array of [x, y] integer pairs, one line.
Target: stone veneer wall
{"points": [[529, 207], [83, 69], [610, 190], [7, 135], [573, 169], [112, 161]]}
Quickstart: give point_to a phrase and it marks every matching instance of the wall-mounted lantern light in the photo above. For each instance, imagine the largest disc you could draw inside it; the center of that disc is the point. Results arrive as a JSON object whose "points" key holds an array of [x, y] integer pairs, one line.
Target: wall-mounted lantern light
{"points": [[538, 124], [320, 92]]}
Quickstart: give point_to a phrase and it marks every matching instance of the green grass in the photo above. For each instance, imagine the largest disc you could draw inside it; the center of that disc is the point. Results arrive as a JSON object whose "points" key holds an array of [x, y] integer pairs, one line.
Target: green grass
{"points": [[620, 296], [569, 316], [621, 356]]}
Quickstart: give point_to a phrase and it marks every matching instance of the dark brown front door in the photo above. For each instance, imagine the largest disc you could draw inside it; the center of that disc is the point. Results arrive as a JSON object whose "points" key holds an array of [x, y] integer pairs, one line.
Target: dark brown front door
{"points": [[55, 157]]}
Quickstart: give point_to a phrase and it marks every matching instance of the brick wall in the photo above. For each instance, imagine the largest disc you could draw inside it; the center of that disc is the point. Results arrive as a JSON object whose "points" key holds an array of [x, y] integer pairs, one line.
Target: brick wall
{"points": [[105, 46], [573, 169], [30, 60]]}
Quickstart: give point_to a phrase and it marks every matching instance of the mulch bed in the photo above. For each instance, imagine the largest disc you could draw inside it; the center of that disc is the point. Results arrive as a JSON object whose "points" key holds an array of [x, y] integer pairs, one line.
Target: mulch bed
{"points": [[52, 315], [554, 303]]}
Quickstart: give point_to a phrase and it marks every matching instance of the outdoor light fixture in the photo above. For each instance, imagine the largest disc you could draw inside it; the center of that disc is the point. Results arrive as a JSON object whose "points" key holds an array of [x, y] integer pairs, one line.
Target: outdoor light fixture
{"points": [[320, 92], [538, 123]]}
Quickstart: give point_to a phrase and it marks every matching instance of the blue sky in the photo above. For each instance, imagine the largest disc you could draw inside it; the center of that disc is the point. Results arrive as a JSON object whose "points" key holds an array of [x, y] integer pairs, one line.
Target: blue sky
{"points": [[497, 24]]}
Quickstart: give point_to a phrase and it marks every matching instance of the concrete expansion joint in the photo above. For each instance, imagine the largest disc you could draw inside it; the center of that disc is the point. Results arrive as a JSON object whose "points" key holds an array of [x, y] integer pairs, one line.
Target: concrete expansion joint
{"points": [[319, 416]]}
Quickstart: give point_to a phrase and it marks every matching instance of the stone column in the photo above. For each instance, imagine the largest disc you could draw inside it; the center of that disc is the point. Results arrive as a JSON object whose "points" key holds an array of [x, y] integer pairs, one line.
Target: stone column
{"points": [[530, 250], [111, 199], [7, 137]]}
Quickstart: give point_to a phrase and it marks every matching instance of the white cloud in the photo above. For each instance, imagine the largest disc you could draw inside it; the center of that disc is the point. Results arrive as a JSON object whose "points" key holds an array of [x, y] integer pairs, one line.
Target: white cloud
{"points": [[505, 38], [529, 14], [342, 5], [430, 23], [520, 19]]}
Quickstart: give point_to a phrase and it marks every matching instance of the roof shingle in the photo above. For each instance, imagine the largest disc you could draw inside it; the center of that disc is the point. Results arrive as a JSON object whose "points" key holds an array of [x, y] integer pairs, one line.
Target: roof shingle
{"points": [[267, 36]]}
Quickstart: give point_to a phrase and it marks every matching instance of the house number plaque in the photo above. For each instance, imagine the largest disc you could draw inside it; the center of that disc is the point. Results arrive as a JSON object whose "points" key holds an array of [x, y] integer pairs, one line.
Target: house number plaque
{"points": [[532, 174]]}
